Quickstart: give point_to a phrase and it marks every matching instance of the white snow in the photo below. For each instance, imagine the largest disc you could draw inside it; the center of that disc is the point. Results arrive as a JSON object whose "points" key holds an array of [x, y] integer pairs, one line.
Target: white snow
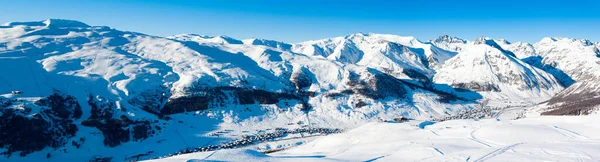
{"points": [[390, 53], [555, 138], [484, 64], [577, 58], [70, 56]]}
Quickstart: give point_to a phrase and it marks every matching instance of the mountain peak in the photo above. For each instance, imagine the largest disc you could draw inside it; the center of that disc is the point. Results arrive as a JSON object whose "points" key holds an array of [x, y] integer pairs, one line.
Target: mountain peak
{"points": [[206, 39], [267, 42], [504, 41], [449, 39], [64, 23], [584, 42], [491, 41], [549, 39], [357, 35], [481, 40]]}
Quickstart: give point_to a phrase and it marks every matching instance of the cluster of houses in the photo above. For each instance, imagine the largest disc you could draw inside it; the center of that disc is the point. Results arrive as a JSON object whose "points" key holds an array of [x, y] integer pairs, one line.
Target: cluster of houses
{"points": [[469, 114], [247, 140]]}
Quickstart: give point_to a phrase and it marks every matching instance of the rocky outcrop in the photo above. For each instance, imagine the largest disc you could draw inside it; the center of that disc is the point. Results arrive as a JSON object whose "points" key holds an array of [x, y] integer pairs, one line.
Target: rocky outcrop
{"points": [[202, 98], [62, 106], [376, 86], [152, 100], [301, 78], [480, 87], [116, 130], [25, 132], [581, 98]]}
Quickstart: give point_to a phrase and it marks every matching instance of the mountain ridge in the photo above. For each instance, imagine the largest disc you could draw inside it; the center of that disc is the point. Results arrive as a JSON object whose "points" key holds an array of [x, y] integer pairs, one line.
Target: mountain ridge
{"points": [[134, 88]]}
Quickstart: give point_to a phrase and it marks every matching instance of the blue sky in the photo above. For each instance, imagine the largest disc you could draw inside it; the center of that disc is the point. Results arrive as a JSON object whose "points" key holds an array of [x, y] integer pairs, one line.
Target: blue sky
{"points": [[295, 21]]}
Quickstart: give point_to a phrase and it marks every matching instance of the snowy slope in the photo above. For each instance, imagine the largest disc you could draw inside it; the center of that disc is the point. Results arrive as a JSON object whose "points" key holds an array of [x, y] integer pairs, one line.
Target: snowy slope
{"points": [[530, 139], [122, 82], [570, 58], [137, 90], [520, 49], [462, 140], [92, 92], [575, 63], [484, 66]]}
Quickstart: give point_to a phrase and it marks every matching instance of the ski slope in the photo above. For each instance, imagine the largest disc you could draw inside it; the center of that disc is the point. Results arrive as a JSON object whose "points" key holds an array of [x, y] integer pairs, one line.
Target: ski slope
{"points": [[537, 138]]}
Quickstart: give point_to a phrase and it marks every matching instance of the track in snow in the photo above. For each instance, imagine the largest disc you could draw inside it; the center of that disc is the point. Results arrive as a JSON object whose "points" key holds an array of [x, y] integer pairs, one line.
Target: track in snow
{"points": [[375, 159], [569, 133], [434, 132], [438, 150], [496, 152], [477, 140]]}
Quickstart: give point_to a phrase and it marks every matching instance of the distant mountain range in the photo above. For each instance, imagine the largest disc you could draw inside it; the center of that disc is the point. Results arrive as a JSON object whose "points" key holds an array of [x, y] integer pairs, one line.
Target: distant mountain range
{"points": [[72, 90]]}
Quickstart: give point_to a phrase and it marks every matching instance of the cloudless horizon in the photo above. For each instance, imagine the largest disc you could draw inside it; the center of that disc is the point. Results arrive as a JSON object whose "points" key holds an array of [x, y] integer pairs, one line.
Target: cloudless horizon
{"points": [[297, 21]]}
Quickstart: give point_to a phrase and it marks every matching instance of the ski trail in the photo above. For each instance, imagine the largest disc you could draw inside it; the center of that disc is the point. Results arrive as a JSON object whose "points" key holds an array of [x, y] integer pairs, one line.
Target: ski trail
{"points": [[570, 133], [477, 140], [480, 142], [211, 154], [438, 150], [375, 159], [497, 152]]}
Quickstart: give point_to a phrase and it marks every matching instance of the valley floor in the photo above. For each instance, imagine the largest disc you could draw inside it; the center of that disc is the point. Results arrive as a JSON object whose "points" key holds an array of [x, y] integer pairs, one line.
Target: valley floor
{"points": [[535, 138]]}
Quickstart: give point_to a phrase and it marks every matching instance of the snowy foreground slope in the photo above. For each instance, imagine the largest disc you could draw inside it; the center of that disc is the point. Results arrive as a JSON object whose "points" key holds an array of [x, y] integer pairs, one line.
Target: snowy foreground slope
{"points": [[545, 138], [71, 91]]}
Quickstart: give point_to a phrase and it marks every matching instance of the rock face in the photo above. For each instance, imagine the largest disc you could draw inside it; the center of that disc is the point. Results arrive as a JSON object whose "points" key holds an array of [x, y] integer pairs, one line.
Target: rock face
{"points": [[581, 98], [449, 43], [376, 86]]}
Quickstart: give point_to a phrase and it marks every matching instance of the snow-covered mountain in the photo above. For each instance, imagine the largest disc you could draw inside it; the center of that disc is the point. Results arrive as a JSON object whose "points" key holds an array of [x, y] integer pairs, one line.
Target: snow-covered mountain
{"points": [[402, 57], [449, 43], [520, 49], [111, 90], [484, 66], [83, 90], [576, 63]]}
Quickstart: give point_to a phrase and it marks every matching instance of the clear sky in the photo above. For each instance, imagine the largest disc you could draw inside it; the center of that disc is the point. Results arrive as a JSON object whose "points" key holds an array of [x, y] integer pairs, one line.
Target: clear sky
{"points": [[300, 20]]}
